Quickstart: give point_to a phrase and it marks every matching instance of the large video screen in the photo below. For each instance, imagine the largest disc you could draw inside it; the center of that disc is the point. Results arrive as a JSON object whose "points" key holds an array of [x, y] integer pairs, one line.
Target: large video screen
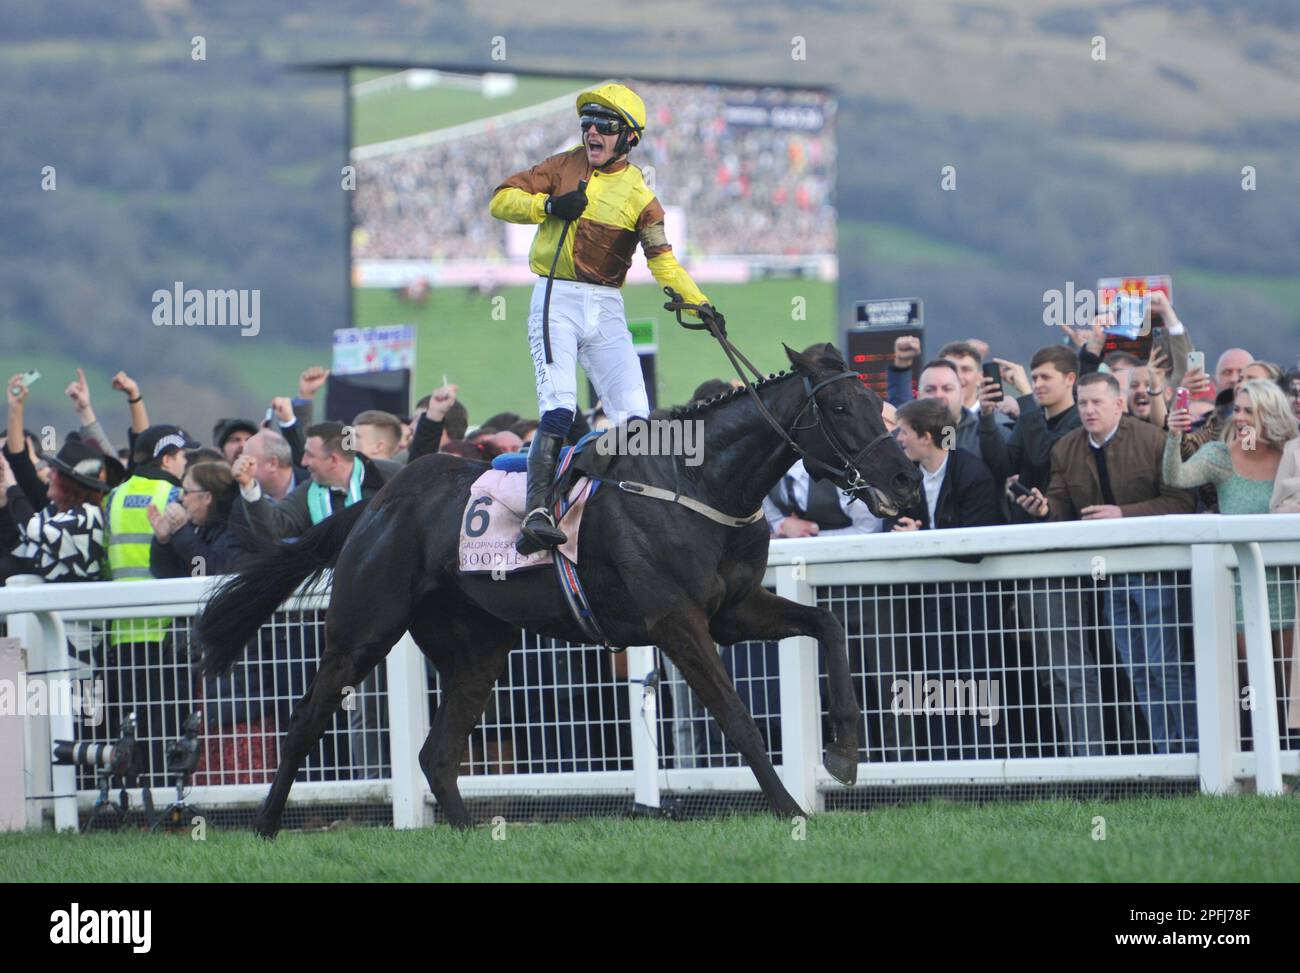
{"points": [[746, 176]]}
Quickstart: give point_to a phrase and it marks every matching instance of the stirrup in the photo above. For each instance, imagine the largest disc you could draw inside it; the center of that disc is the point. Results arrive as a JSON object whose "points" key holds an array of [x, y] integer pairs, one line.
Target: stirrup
{"points": [[538, 536]]}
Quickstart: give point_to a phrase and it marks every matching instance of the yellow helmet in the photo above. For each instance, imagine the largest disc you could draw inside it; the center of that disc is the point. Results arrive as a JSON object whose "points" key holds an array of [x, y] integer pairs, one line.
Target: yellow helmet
{"points": [[624, 102]]}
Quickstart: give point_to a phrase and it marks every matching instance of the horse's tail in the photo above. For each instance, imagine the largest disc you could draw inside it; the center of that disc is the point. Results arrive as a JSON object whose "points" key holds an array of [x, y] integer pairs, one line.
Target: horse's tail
{"points": [[270, 574]]}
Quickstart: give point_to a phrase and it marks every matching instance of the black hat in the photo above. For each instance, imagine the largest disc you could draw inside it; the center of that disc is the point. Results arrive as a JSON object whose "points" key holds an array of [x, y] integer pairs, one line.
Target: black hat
{"points": [[157, 440], [82, 462], [225, 428]]}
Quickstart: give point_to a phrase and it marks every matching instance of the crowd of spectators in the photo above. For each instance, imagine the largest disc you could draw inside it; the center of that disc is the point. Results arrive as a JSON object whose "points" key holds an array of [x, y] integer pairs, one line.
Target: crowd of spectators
{"points": [[1084, 435], [753, 189], [1075, 435]]}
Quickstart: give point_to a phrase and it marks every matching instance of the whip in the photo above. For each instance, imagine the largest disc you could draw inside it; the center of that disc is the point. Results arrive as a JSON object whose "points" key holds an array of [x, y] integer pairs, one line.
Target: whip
{"points": [[550, 281]]}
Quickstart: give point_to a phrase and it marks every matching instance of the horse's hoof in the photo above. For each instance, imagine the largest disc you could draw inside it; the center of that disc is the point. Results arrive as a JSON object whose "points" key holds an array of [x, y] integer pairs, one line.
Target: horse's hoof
{"points": [[265, 830], [843, 767]]}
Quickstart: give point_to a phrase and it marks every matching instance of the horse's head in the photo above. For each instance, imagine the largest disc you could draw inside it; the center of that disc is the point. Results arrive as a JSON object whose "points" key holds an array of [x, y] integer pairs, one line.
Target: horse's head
{"points": [[841, 427]]}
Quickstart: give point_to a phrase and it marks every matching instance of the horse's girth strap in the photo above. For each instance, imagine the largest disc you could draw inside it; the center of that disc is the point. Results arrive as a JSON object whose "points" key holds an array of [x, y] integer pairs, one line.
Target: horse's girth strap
{"points": [[717, 516]]}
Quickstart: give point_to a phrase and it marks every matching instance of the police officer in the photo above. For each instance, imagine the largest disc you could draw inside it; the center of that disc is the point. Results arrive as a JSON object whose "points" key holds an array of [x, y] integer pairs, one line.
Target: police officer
{"points": [[135, 661]]}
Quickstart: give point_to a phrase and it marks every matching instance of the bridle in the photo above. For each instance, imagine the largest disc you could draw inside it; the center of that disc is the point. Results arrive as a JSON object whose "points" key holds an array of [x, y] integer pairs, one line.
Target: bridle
{"points": [[849, 470], [848, 477]]}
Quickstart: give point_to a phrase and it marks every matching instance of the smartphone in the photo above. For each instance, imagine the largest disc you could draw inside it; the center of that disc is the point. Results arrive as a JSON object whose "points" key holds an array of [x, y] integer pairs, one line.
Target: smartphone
{"points": [[1195, 359], [1160, 337], [993, 372], [25, 381], [1019, 489], [1182, 399]]}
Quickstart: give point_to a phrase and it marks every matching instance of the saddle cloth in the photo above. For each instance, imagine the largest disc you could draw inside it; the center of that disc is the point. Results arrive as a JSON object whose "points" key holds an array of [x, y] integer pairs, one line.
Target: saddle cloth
{"points": [[489, 524]]}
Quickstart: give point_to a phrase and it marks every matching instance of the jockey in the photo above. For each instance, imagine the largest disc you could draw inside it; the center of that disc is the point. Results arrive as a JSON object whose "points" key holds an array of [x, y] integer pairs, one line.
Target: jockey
{"points": [[579, 317]]}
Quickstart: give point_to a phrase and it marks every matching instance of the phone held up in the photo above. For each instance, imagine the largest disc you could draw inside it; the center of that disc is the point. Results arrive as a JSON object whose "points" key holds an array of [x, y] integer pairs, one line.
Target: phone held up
{"points": [[994, 374], [24, 381]]}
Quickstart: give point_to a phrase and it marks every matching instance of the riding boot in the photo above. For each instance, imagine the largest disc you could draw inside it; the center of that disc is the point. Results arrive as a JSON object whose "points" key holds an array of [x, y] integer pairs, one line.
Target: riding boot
{"points": [[539, 530]]}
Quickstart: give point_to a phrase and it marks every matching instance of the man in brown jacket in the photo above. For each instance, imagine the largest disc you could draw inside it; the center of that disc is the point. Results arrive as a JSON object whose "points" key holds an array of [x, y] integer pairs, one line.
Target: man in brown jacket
{"points": [[1107, 469]]}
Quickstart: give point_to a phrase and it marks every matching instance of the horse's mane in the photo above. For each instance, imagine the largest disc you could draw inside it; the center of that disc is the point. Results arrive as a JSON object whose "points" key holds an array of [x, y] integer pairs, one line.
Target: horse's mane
{"points": [[704, 405]]}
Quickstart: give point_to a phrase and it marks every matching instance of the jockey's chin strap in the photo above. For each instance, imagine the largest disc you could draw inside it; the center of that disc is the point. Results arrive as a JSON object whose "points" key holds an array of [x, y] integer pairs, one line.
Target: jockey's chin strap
{"points": [[847, 473]]}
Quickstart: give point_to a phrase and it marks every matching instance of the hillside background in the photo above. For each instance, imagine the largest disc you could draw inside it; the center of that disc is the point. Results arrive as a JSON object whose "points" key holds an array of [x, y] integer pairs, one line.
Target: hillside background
{"points": [[225, 172]]}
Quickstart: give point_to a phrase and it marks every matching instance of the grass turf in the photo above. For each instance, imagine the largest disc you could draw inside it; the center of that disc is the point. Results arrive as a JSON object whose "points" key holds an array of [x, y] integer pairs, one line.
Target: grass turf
{"points": [[1192, 839]]}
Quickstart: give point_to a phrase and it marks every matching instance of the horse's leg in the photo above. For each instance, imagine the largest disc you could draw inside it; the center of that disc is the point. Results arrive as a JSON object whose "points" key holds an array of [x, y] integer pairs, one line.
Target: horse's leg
{"points": [[360, 629], [688, 643], [469, 651], [338, 668], [763, 615]]}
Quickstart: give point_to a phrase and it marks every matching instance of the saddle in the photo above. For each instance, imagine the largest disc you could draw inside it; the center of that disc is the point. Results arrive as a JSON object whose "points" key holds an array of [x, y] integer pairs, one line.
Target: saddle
{"points": [[494, 513]]}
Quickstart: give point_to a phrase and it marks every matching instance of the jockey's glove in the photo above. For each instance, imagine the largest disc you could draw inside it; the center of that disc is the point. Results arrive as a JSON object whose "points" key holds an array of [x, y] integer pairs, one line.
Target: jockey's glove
{"points": [[567, 206], [710, 313]]}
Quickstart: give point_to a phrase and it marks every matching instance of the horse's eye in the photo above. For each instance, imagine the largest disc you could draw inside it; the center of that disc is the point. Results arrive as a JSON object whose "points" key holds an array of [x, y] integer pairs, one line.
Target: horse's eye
{"points": [[839, 409]]}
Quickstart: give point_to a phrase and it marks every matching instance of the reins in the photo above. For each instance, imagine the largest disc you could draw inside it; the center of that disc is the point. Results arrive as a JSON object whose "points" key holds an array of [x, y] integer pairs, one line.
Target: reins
{"points": [[849, 471]]}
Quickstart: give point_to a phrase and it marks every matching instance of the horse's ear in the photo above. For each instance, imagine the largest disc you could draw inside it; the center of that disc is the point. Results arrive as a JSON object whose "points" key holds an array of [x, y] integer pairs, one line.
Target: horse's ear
{"points": [[799, 361]]}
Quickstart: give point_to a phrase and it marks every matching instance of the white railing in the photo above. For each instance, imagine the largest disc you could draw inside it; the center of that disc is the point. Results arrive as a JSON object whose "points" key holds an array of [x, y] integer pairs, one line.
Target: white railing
{"points": [[906, 602]]}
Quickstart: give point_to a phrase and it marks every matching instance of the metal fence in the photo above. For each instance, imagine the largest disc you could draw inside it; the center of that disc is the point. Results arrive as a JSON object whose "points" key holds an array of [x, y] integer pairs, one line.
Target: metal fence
{"points": [[1106, 651]]}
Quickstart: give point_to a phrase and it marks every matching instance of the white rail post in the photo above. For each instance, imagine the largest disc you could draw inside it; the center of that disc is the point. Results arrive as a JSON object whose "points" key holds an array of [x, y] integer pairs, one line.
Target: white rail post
{"points": [[63, 670], [408, 725], [1259, 667], [800, 714], [13, 741], [1212, 633], [42, 636], [643, 706]]}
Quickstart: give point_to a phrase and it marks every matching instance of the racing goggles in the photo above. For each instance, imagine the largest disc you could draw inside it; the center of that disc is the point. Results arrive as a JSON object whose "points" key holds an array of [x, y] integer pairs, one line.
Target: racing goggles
{"points": [[606, 122]]}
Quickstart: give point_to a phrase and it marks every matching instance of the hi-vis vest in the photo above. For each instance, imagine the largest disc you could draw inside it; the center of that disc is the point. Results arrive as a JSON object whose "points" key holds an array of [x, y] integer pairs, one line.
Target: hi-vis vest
{"points": [[129, 538]]}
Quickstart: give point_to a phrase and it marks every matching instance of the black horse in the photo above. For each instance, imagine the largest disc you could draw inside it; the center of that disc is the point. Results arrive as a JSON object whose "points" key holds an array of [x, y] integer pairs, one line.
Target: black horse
{"points": [[655, 573]]}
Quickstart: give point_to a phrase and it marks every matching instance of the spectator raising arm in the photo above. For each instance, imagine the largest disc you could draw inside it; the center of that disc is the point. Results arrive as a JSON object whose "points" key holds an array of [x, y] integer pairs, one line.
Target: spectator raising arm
{"points": [[899, 373], [290, 517], [309, 383], [1090, 342], [1001, 455], [20, 458], [1157, 385], [428, 430], [1180, 343], [1210, 464], [290, 427], [139, 415], [91, 431]]}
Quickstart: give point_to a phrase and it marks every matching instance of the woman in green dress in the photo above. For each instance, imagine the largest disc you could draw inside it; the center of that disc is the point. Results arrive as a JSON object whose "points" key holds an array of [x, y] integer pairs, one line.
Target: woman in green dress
{"points": [[1242, 466]]}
